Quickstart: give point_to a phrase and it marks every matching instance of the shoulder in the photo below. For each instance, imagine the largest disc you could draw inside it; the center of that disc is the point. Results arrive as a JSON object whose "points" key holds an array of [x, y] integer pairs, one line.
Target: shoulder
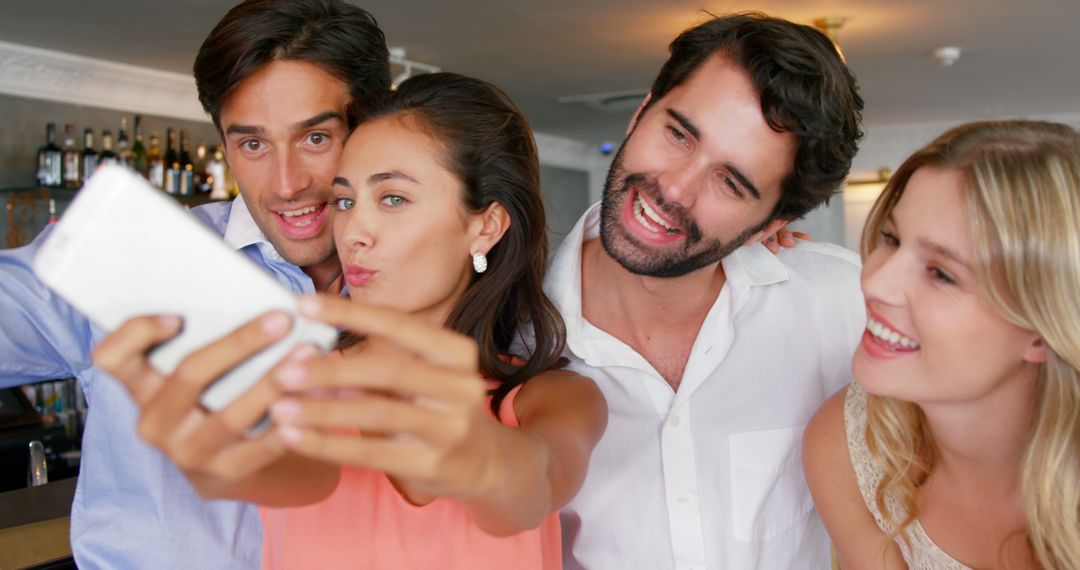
{"points": [[828, 277], [821, 260], [857, 536], [214, 214], [825, 448]]}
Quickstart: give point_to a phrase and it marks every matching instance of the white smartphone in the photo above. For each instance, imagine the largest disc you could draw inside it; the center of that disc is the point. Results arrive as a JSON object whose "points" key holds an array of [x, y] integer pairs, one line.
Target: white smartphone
{"points": [[124, 249]]}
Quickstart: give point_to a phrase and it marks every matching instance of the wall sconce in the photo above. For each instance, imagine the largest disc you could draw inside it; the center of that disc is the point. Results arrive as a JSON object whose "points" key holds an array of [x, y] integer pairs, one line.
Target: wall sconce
{"points": [[859, 196]]}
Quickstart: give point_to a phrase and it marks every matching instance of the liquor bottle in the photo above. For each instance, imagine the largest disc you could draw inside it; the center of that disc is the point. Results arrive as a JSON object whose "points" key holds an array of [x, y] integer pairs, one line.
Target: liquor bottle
{"points": [[187, 167], [202, 184], [215, 175], [123, 147], [156, 172], [52, 212], [172, 164], [89, 155], [107, 156], [141, 161], [49, 160], [72, 169]]}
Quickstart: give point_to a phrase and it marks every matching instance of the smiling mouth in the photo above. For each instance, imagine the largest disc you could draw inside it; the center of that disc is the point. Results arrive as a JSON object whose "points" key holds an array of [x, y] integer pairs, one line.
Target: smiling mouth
{"points": [[649, 218], [299, 217], [890, 338]]}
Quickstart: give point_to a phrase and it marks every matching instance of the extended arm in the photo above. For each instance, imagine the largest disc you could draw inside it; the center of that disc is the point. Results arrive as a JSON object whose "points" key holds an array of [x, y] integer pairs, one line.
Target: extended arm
{"points": [[542, 465], [418, 412], [41, 336], [214, 450]]}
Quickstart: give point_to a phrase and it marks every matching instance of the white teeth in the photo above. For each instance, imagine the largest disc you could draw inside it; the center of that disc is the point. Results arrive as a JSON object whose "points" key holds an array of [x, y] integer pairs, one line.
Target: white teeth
{"points": [[300, 212], [647, 216], [888, 335], [641, 219]]}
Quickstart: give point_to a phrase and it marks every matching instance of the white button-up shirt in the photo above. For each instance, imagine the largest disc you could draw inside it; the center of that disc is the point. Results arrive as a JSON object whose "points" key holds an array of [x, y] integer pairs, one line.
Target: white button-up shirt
{"points": [[710, 477]]}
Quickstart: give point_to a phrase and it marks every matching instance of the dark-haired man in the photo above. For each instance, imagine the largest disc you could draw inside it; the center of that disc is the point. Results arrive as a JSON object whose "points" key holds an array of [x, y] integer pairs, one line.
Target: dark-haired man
{"points": [[713, 354], [282, 80]]}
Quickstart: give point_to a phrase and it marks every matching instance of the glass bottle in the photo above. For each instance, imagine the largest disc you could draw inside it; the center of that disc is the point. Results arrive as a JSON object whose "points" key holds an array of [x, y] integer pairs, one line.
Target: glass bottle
{"points": [[49, 160], [89, 155]]}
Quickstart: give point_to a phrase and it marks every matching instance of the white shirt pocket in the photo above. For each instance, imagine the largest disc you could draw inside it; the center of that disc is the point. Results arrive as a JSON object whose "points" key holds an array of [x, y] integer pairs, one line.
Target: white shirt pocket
{"points": [[768, 489]]}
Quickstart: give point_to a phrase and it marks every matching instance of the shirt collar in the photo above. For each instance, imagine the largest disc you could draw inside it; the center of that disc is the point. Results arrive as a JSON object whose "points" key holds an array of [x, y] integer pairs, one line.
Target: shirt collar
{"points": [[242, 230], [753, 265], [747, 267]]}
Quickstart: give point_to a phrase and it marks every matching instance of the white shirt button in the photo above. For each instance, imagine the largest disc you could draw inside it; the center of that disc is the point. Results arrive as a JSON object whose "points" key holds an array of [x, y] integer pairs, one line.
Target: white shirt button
{"points": [[674, 421], [682, 498]]}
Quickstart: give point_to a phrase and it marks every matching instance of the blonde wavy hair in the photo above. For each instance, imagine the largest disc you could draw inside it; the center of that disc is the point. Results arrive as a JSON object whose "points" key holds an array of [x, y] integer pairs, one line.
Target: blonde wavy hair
{"points": [[1022, 203]]}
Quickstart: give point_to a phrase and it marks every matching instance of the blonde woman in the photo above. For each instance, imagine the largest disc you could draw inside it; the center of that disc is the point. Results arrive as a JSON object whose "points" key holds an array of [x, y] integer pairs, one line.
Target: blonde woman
{"points": [[959, 446]]}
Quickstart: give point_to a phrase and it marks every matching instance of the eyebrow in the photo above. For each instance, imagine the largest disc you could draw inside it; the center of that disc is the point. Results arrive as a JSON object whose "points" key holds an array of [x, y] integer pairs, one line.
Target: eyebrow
{"points": [[376, 178], [391, 175], [691, 128], [301, 126], [684, 122], [943, 252]]}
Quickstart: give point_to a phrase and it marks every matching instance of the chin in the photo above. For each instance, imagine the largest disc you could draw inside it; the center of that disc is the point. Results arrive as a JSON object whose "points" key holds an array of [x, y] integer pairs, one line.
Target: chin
{"points": [[871, 378], [305, 254]]}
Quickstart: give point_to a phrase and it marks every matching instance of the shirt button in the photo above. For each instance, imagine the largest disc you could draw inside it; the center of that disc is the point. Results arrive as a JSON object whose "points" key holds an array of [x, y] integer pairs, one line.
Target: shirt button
{"points": [[674, 421], [682, 498]]}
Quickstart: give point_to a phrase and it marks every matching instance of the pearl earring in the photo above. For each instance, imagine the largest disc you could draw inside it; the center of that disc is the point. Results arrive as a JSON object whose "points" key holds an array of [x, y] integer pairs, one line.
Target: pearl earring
{"points": [[479, 261]]}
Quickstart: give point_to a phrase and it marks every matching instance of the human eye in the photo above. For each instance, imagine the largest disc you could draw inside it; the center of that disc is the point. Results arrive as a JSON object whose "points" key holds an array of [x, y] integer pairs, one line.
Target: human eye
{"points": [[941, 276], [318, 139], [677, 135], [394, 201], [252, 145], [732, 185], [344, 203], [890, 239]]}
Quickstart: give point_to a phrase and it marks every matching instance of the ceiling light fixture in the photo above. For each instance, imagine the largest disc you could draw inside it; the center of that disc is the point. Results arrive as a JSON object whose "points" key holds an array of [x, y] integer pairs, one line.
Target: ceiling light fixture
{"points": [[830, 26], [947, 55], [407, 68]]}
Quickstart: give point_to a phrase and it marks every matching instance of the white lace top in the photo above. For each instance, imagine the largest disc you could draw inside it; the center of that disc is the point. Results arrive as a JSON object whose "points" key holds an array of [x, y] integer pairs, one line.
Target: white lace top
{"points": [[923, 554]]}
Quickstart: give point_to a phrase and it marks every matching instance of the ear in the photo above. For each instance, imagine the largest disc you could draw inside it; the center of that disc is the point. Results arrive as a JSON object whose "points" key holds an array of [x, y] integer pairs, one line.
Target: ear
{"points": [[488, 227], [637, 114], [769, 229], [1035, 352]]}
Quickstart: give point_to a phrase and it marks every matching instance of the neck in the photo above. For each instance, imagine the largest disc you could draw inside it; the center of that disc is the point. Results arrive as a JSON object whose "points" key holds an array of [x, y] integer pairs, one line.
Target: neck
{"points": [[326, 275], [986, 438], [644, 302]]}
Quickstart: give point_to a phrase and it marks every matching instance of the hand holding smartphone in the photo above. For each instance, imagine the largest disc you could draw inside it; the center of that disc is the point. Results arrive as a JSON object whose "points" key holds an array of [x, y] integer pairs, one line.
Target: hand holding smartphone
{"points": [[125, 249]]}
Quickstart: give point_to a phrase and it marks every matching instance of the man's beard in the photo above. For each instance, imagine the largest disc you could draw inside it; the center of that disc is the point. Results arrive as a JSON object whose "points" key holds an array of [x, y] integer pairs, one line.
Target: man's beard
{"points": [[638, 258]]}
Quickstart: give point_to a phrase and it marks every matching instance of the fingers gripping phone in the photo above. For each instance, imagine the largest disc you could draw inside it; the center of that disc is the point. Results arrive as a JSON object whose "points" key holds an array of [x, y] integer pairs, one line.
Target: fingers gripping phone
{"points": [[125, 249]]}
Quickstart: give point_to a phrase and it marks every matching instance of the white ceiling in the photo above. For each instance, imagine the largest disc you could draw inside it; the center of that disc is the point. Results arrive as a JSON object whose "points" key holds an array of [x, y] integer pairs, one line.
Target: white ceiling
{"points": [[1019, 57]]}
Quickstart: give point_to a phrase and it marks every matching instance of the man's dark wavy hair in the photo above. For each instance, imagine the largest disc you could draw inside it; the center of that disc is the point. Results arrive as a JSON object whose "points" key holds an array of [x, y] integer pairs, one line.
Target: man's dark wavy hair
{"points": [[342, 39], [805, 88]]}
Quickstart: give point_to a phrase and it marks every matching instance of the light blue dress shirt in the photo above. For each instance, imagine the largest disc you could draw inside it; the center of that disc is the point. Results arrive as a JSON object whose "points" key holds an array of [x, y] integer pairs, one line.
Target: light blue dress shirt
{"points": [[132, 507]]}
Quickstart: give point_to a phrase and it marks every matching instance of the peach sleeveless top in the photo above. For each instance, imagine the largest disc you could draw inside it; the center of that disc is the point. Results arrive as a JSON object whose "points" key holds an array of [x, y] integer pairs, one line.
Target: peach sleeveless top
{"points": [[367, 524]]}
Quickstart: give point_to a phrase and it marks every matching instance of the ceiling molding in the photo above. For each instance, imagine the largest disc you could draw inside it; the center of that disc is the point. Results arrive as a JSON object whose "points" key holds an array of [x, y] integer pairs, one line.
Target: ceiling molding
{"points": [[56, 76]]}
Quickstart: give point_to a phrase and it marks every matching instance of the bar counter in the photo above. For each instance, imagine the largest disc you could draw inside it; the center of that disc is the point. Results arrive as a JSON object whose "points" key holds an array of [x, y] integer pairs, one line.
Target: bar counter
{"points": [[34, 526]]}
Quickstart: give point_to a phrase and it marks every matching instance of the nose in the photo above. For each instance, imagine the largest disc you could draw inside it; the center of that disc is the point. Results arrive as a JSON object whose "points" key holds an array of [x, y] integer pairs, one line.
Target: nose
{"points": [[886, 276], [291, 176], [355, 230], [680, 182]]}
